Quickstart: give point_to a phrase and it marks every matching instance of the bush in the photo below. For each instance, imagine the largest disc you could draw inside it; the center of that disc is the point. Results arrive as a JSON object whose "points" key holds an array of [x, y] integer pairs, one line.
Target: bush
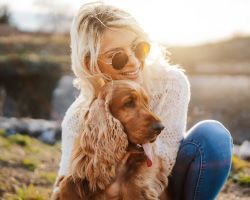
{"points": [[22, 140]]}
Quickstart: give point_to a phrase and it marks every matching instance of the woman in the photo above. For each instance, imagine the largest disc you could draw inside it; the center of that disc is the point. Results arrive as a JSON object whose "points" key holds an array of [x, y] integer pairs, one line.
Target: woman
{"points": [[108, 44]]}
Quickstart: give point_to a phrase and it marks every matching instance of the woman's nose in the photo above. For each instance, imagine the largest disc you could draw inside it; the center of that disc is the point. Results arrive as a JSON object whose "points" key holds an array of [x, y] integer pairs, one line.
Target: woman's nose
{"points": [[132, 59]]}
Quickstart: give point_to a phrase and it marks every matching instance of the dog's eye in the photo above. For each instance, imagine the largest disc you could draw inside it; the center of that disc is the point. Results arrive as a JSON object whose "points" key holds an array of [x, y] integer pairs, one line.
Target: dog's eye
{"points": [[129, 104]]}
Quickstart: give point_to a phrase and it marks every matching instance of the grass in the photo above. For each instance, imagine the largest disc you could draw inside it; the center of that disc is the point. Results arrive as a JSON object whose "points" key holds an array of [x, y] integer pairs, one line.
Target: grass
{"points": [[21, 140], [28, 168], [33, 57], [50, 177], [239, 164], [35, 51], [5, 143], [245, 180], [2, 187], [29, 192], [2, 132], [242, 179], [30, 164], [240, 171], [37, 40]]}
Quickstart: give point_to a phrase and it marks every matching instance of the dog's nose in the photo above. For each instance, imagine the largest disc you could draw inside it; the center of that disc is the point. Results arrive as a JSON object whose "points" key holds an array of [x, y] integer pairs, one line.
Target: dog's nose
{"points": [[157, 127]]}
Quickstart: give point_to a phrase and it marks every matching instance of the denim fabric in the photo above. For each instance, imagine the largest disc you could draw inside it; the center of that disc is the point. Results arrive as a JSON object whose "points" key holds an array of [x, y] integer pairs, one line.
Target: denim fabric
{"points": [[203, 162]]}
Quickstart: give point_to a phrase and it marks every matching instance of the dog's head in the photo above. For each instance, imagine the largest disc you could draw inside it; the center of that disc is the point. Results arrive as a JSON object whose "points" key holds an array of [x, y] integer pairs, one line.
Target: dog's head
{"points": [[129, 103]]}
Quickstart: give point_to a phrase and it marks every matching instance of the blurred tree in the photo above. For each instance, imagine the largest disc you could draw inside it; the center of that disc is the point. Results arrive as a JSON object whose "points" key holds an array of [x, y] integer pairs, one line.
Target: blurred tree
{"points": [[58, 17], [4, 14]]}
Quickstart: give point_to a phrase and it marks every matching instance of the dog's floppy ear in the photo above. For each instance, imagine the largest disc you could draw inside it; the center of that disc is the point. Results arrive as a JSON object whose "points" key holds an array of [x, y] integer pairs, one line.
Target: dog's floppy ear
{"points": [[100, 147]]}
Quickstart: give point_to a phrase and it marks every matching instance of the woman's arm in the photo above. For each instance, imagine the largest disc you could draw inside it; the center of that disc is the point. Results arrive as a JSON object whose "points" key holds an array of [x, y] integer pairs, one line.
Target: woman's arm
{"points": [[71, 127], [171, 105]]}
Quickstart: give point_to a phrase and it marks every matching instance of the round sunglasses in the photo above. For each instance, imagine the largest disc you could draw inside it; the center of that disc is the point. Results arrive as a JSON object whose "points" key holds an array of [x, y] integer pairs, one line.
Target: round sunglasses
{"points": [[120, 58]]}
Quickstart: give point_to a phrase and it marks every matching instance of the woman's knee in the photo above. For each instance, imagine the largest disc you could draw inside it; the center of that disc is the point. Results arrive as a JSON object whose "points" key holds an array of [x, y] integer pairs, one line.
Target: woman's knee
{"points": [[211, 132]]}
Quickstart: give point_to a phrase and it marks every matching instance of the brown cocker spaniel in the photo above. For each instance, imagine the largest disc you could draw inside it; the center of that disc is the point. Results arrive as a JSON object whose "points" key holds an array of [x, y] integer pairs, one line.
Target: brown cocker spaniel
{"points": [[114, 158]]}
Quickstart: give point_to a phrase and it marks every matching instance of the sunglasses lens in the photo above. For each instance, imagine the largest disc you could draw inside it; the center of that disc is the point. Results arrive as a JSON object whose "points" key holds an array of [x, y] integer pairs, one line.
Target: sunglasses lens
{"points": [[142, 50], [119, 60]]}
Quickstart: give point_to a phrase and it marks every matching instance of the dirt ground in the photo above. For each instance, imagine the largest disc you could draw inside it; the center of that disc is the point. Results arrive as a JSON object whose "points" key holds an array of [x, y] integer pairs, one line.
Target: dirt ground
{"points": [[29, 167]]}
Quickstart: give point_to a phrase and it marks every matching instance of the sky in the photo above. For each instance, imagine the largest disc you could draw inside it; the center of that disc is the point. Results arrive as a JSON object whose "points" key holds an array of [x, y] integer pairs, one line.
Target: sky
{"points": [[174, 22]]}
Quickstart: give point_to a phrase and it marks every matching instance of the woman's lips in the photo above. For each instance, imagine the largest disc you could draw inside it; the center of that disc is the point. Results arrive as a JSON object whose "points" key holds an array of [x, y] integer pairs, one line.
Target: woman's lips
{"points": [[132, 74]]}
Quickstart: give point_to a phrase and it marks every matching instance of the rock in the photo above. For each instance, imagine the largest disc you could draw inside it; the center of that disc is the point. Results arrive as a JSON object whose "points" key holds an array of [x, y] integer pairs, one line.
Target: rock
{"points": [[63, 96], [10, 132], [45, 130], [244, 150], [48, 136], [236, 149]]}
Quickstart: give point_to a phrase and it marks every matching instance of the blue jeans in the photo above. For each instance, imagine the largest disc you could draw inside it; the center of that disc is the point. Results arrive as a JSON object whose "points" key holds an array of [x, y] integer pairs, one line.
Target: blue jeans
{"points": [[203, 162]]}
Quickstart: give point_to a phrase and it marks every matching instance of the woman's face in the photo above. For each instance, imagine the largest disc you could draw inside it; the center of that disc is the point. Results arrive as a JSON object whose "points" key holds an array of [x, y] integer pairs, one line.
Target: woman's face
{"points": [[120, 40]]}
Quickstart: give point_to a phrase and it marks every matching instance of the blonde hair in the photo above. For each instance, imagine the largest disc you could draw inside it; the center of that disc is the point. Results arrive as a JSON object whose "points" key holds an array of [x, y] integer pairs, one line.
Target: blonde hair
{"points": [[87, 29]]}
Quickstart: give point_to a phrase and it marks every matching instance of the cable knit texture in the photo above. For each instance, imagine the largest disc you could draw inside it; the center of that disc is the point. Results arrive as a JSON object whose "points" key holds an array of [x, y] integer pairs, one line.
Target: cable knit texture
{"points": [[170, 95]]}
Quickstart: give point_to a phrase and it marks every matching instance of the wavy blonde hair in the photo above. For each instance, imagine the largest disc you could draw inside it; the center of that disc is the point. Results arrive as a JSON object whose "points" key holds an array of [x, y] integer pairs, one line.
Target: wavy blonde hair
{"points": [[88, 26]]}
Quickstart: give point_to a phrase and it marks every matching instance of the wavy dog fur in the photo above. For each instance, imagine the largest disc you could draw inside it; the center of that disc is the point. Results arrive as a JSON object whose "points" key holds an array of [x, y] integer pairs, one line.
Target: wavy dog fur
{"points": [[104, 164]]}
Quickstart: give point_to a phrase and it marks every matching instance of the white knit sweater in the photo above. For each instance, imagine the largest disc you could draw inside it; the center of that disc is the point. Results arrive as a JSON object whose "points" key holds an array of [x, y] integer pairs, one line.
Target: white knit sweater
{"points": [[170, 97]]}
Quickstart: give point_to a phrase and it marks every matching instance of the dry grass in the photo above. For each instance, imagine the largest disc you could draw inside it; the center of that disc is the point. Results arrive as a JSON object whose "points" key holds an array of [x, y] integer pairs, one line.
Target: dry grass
{"points": [[28, 171]]}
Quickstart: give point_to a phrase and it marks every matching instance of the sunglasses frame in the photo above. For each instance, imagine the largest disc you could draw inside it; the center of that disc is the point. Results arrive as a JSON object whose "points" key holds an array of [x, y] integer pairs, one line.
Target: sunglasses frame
{"points": [[134, 51]]}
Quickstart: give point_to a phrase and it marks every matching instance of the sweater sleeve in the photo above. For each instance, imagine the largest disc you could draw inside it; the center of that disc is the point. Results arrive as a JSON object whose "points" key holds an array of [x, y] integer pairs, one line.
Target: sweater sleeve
{"points": [[71, 127], [171, 105]]}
